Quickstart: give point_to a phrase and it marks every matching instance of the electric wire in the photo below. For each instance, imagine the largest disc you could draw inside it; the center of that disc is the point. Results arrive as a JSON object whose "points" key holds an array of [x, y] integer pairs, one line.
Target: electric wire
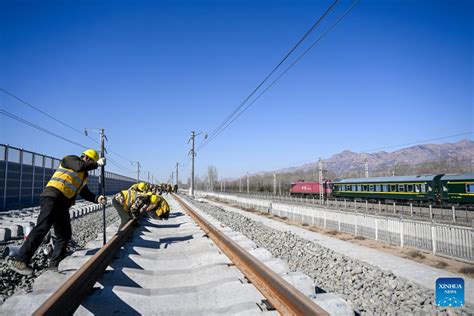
{"points": [[58, 120], [46, 114], [324, 160], [22, 120], [313, 27], [44, 130], [203, 144], [121, 167]]}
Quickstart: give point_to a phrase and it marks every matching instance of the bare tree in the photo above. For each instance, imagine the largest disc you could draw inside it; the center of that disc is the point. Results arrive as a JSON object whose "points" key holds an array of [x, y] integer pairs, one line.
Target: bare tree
{"points": [[211, 178]]}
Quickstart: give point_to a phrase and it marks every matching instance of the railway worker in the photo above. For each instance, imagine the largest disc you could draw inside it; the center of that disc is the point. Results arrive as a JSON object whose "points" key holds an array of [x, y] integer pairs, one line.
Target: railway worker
{"points": [[58, 196], [160, 209], [129, 203], [140, 187]]}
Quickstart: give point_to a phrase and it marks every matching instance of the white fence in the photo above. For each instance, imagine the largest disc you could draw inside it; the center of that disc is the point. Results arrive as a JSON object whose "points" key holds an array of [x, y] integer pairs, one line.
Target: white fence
{"points": [[440, 239]]}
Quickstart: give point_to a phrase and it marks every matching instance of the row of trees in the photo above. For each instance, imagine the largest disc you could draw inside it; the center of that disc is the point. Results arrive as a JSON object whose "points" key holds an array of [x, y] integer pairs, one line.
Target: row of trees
{"points": [[265, 182]]}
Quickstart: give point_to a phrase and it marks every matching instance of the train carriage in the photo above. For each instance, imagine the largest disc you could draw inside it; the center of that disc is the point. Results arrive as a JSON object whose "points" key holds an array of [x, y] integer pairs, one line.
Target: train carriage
{"points": [[458, 188], [302, 188], [424, 188]]}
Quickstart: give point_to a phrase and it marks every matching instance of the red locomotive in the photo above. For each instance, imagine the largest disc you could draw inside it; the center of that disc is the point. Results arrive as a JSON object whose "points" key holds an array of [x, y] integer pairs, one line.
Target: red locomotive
{"points": [[302, 188]]}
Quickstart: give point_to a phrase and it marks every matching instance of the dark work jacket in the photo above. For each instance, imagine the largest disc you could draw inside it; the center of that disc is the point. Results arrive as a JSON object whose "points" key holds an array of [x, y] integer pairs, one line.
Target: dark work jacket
{"points": [[77, 164]]}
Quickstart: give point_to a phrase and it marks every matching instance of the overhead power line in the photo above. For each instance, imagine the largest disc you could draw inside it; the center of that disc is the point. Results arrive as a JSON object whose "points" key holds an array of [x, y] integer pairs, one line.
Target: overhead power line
{"points": [[285, 71], [300, 57], [28, 123], [22, 120], [297, 164], [222, 125], [421, 141], [118, 165], [41, 111], [58, 120]]}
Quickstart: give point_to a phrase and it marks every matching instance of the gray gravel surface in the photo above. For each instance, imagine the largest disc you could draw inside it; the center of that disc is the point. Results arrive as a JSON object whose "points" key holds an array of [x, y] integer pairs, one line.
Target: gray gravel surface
{"points": [[84, 229], [371, 290]]}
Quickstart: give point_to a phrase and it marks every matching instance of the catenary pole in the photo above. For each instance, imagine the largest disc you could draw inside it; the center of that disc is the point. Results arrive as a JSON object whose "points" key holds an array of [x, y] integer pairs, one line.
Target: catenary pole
{"points": [[177, 178], [193, 135], [102, 181]]}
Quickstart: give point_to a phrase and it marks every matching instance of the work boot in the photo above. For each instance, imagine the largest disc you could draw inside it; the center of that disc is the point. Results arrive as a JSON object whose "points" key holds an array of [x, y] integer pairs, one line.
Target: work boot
{"points": [[53, 266], [20, 267]]}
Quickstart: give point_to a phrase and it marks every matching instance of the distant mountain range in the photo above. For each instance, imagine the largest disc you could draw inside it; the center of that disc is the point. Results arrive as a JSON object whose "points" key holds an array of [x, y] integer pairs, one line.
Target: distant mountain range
{"points": [[449, 157]]}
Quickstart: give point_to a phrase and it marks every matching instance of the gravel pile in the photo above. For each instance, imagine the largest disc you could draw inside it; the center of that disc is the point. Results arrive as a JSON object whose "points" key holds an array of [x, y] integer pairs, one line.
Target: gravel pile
{"points": [[84, 229], [371, 290]]}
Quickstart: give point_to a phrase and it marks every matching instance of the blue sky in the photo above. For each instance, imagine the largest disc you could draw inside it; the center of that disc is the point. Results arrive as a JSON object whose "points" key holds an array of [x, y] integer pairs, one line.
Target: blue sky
{"points": [[150, 72]]}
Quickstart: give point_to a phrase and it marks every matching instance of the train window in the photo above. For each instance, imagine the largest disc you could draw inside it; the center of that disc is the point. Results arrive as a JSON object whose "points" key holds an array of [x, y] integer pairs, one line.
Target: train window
{"points": [[364, 187], [409, 187], [401, 188], [378, 188], [470, 188], [393, 188], [429, 188], [354, 187], [417, 188], [385, 188], [423, 188], [359, 188], [371, 188]]}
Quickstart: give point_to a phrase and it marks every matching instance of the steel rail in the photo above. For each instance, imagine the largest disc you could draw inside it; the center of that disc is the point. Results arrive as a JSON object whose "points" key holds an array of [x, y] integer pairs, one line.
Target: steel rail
{"points": [[66, 299], [285, 298]]}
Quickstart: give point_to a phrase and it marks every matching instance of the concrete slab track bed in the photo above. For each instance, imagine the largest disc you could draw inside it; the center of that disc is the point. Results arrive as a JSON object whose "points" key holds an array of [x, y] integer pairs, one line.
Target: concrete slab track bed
{"points": [[165, 268]]}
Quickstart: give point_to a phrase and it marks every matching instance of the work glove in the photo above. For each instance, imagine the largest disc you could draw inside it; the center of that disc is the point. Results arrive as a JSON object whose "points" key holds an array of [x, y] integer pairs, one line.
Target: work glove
{"points": [[135, 214], [102, 199], [101, 162]]}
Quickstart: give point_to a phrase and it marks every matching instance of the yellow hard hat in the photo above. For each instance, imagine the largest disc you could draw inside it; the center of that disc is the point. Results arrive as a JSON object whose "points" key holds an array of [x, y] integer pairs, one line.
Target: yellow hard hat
{"points": [[92, 154], [141, 186], [153, 199]]}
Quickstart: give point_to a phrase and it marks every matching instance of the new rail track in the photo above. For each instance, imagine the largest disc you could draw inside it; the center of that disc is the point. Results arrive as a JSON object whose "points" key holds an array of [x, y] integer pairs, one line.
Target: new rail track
{"points": [[74, 295]]}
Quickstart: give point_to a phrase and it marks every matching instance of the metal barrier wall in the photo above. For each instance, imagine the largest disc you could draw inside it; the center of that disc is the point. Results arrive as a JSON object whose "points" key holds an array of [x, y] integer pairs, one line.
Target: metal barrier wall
{"points": [[24, 174], [440, 239]]}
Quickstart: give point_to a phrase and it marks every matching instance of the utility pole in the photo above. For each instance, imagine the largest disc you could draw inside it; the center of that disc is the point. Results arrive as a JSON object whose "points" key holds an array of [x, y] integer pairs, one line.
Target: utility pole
{"points": [[148, 178], [193, 135], [177, 178], [274, 184], [193, 154], [137, 163], [240, 184], [321, 189], [366, 168], [248, 184], [224, 185], [279, 186]]}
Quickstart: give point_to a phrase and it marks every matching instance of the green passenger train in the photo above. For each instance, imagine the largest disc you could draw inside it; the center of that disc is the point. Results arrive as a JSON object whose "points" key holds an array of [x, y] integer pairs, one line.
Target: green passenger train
{"points": [[437, 188]]}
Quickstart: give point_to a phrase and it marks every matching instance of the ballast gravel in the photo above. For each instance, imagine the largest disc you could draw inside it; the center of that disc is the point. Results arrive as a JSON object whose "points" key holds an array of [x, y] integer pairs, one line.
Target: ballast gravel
{"points": [[84, 229], [372, 291]]}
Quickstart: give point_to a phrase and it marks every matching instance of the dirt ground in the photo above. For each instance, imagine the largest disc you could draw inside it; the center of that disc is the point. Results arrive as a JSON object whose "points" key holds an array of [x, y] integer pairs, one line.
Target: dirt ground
{"points": [[426, 258]]}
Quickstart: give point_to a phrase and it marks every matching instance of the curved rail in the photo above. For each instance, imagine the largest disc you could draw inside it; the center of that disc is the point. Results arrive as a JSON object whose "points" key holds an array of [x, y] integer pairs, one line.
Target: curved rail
{"points": [[280, 294], [66, 299]]}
